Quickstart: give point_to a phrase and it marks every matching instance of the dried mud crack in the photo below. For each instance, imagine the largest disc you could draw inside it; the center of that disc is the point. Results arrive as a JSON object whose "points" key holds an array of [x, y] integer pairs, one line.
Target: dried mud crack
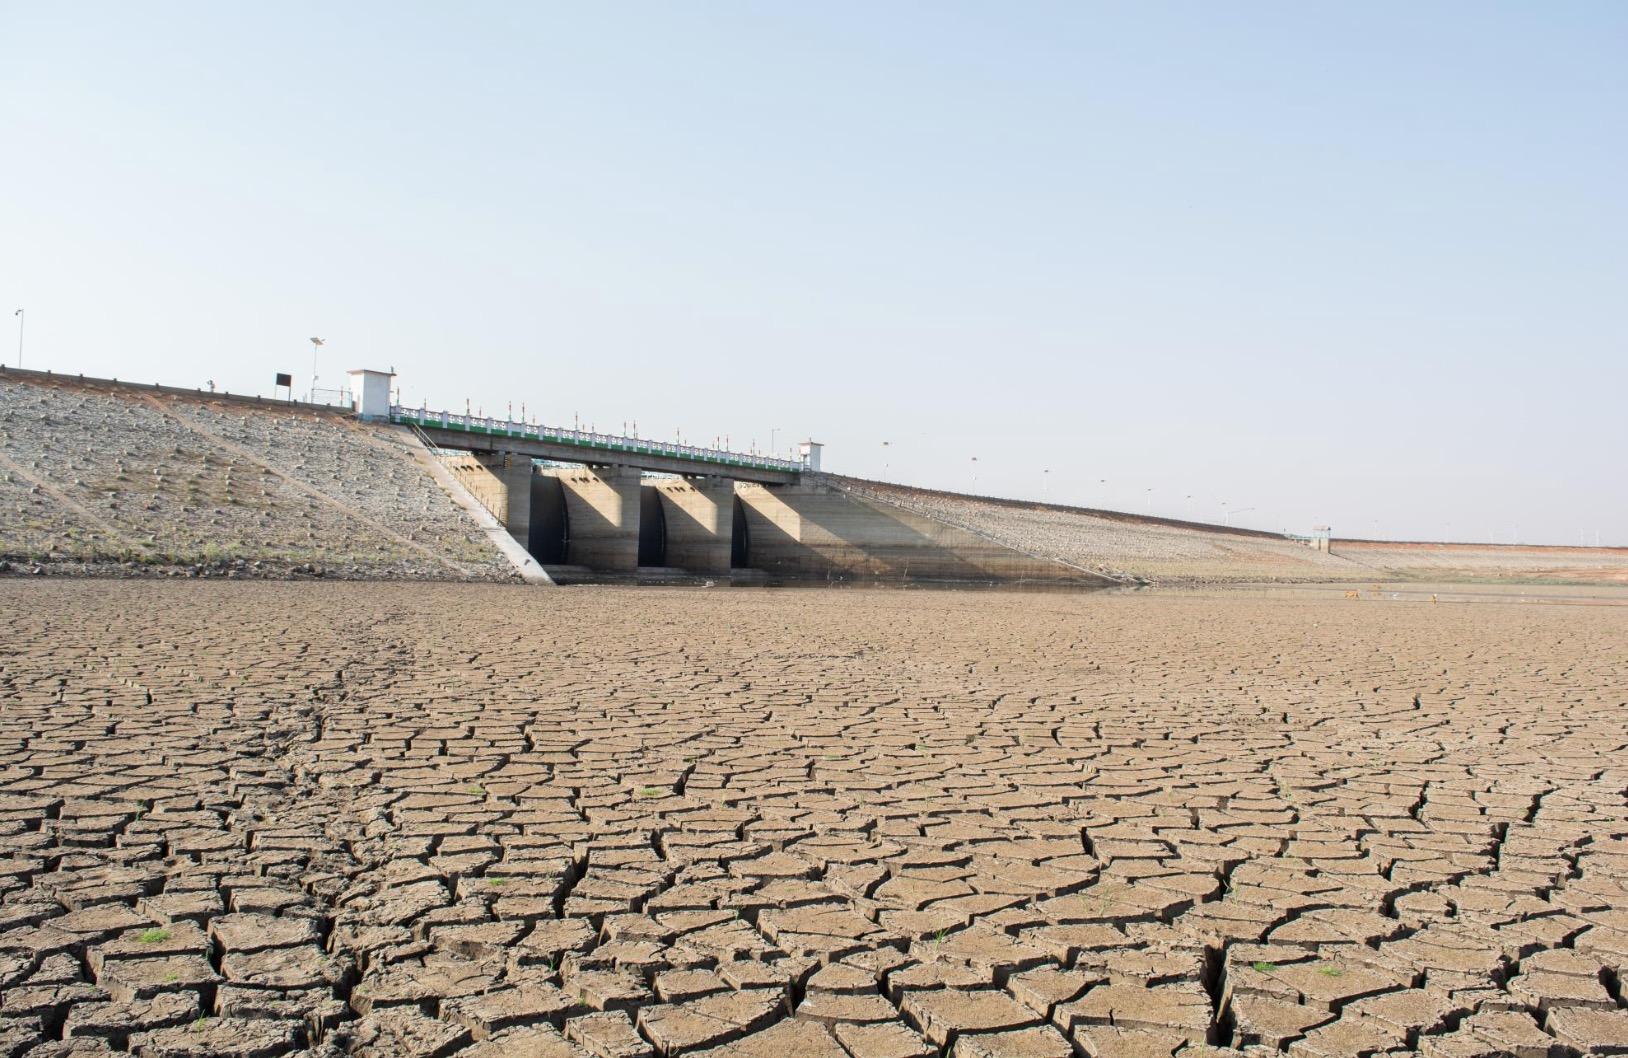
{"points": [[263, 819]]}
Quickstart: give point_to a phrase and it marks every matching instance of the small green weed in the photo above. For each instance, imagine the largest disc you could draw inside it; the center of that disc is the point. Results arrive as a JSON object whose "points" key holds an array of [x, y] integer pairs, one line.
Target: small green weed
{"points": [[1263, 967], [1330, 971], [153, 936]]}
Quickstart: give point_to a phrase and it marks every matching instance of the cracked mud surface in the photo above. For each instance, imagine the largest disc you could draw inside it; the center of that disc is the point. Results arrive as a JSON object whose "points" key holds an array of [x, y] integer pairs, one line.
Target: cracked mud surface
{"points": [[270, 819]]}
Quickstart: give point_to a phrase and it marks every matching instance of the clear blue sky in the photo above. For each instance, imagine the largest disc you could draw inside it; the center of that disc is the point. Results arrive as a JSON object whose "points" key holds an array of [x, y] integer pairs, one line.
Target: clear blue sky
{"points": [[1361, 264]]}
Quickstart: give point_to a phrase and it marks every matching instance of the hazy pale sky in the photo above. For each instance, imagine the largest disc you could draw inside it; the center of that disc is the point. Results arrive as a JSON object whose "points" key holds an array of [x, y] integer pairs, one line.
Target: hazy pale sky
{"points": [[1363, 265]]}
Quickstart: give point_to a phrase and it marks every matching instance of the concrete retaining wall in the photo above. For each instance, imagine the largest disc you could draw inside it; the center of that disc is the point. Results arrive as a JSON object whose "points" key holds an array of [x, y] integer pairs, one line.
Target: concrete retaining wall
{"points": [[602, 510], [700, 521], [513, 475], [487, 487]]}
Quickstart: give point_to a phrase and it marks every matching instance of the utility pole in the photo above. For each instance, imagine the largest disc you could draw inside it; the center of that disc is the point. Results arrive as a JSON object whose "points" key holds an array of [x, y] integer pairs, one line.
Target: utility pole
{"points": [[20, 319]]}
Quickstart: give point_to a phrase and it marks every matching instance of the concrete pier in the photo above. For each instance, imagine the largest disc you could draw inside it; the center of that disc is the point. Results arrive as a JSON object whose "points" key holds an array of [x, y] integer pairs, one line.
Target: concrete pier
{"points": [[602, 512], [485, 486], [700, 522], [513, 473]]}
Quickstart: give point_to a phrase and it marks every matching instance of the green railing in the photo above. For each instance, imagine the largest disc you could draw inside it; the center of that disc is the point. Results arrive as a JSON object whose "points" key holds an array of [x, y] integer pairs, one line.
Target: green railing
{"points": [[586, 439]]}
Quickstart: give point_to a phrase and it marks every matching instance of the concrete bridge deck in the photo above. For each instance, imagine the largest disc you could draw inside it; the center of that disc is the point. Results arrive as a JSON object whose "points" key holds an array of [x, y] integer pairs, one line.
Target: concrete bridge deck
{"points": [[481, 434]]}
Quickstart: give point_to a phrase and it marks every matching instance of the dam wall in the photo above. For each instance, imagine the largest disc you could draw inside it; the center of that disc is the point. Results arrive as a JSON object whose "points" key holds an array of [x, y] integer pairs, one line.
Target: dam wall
{"points": [[602, 517], [618, 524], [101, 476], [699, 517], [513, 476], [487, 488]]}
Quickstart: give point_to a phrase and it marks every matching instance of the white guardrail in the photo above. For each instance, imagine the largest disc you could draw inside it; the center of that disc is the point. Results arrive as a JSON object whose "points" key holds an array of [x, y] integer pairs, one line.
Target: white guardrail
{"points": [[442, 420]]}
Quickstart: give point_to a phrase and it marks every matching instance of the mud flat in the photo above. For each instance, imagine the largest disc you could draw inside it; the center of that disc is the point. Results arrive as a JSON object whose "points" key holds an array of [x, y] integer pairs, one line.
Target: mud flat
{"points": [[257, 818]]}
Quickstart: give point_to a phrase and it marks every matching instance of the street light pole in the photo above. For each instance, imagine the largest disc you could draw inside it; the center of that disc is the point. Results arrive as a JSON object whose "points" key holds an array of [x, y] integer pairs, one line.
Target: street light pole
{"points": [[316, 343], [20, 320]]}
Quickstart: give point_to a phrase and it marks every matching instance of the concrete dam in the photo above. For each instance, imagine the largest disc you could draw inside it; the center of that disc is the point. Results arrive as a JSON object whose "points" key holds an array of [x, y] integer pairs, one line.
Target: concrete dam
{"points": [[637, 510], [597, 523]]}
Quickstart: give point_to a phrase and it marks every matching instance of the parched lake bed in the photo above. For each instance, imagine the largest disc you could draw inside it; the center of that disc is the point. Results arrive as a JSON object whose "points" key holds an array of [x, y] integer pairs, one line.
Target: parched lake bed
{"points": [[390, 819]]}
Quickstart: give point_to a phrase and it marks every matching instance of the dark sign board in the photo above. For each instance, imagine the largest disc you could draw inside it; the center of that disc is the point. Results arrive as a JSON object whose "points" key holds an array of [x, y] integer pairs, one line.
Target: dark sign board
{"points": [[284, 380]]}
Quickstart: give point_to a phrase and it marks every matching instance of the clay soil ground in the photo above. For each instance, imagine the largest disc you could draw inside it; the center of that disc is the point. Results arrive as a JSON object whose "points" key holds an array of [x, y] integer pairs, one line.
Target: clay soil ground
{"points": [[263, 819]]}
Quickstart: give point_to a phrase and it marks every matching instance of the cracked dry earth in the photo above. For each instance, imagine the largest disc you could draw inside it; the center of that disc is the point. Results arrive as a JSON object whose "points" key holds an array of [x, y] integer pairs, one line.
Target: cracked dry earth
{"points": [[389, 820]]}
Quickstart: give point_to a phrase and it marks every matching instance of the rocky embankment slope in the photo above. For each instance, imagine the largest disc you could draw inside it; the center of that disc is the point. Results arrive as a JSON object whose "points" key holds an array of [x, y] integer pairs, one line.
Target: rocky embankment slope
{"points": [[1123, 546], [1139, 549], [115, 480]]}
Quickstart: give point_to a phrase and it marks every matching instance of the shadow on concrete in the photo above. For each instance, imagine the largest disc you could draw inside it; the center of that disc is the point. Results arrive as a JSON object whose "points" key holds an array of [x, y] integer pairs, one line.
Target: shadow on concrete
{"points": [[550, 524], [740, 537], [652, 527]]}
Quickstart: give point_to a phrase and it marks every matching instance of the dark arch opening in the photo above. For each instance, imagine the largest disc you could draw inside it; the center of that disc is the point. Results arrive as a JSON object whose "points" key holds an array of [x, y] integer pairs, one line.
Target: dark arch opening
{"points": [[740, 547], [652, 528], [550, 524]]}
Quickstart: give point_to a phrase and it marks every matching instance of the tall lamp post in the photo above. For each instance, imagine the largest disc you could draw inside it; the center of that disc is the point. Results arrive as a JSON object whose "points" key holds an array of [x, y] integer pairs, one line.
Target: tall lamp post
{"points": [[316, 343], [885, 461], [20, 319]]}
